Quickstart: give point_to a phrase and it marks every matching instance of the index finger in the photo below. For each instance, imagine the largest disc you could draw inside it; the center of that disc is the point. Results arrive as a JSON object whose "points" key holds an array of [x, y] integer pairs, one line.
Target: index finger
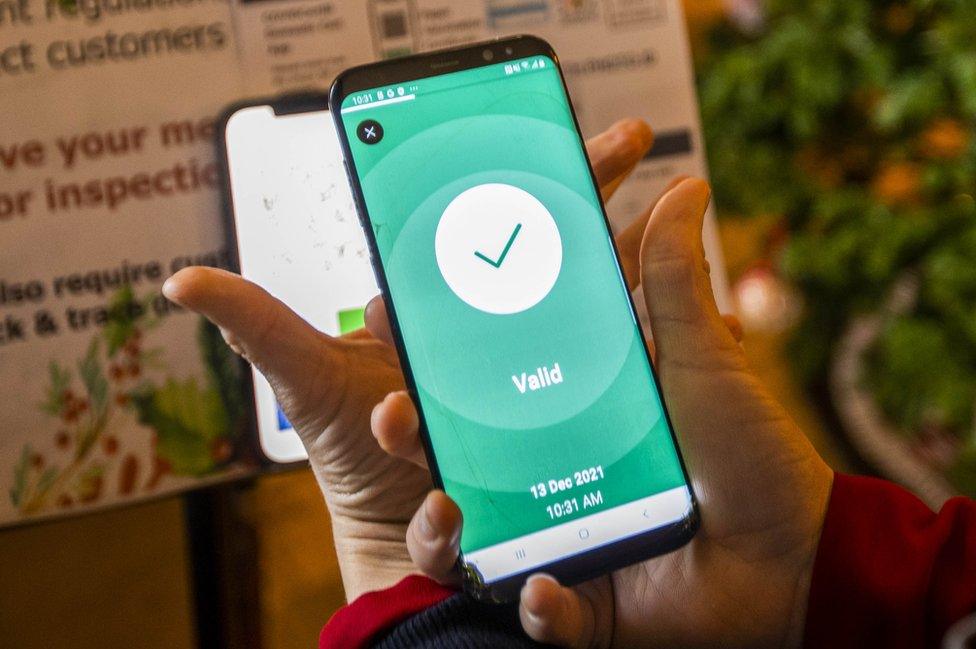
{"points": [[616, 151], [269, 334]]}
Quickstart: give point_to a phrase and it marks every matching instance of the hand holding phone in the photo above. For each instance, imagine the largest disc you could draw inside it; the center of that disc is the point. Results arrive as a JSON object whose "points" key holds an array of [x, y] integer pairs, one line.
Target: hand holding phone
{"points": [[294, 229], [743, 581], [519, 342], [328, 385]]}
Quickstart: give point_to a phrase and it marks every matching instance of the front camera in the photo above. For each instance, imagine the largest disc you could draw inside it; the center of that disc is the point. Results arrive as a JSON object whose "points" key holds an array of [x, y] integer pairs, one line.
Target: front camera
{"points": [[488, 55]]}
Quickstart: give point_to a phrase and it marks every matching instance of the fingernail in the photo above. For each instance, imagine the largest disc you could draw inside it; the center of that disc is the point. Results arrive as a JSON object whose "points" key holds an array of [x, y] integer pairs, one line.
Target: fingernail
{"points": [[426, 527], [534, 618], [456, 538], [168, 287], [530, 603], [706, 191], [635, 129]]}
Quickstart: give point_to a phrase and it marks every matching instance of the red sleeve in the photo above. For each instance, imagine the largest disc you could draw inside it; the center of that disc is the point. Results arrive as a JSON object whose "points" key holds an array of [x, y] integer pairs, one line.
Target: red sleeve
{"points": [[355, 625], [889, 572]]}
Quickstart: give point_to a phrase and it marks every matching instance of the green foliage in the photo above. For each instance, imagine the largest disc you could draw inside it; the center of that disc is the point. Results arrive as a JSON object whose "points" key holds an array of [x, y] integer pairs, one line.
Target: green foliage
{"points": [[19, 488], [48, 476], [192, 424], [224, 372], [88, 485], [918, 352], [93, 378], [128, 318], [96, 386], [853, 120], [187, 419], [22, 490], [60, 379], [121, 319], [963, 473]]}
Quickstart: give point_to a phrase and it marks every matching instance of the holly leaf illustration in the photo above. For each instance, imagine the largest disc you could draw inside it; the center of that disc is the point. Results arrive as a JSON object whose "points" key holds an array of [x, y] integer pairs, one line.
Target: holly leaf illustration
{"points": [[187, 419], [88, 487], [47, 479], [60, 379], [120, 323], [93, 378], [223, 372], [19, 488]]}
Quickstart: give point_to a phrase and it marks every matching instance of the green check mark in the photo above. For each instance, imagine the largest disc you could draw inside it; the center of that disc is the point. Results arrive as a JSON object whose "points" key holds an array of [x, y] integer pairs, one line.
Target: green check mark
{"points": [[501, 258]]}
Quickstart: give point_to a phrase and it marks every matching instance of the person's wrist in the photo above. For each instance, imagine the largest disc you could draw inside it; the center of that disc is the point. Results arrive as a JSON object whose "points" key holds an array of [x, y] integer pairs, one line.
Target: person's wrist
{"points": [[372, 555], [796, 625], [819, 495]]}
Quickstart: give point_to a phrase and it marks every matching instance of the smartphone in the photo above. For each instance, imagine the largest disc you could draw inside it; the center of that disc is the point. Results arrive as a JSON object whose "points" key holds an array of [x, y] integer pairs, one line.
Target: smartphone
{"points": [[293, 226], [540, 411]]}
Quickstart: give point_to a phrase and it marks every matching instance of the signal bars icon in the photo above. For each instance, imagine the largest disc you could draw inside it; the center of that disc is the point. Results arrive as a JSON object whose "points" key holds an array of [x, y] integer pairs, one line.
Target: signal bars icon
{"points": [[515, 68]]}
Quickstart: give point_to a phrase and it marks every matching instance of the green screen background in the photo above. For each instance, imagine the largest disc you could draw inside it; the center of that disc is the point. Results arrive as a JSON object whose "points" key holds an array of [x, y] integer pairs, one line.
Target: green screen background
{"points": [[492, 443]]}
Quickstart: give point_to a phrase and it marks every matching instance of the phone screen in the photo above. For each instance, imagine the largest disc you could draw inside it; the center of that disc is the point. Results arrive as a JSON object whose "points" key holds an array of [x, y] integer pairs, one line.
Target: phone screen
{"points": [[540, 402], [298, 235]]}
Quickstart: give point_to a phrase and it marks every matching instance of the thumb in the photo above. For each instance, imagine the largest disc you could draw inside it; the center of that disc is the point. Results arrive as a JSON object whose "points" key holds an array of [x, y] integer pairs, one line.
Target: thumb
{"points": [[557, 615], [687, 326], [284, 347]]}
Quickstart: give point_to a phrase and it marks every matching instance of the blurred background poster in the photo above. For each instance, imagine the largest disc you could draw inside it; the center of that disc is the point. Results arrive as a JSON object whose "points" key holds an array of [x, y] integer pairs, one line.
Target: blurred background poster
{"points": [[621, 58], [109, 185]]}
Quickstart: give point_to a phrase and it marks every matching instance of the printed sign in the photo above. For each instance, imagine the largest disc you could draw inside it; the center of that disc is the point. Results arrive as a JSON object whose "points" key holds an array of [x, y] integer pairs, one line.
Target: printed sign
{"points": [[108, 184]]}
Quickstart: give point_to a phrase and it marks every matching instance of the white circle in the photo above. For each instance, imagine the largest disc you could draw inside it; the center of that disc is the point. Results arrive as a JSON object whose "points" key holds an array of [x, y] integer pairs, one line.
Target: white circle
{"points": [[498, 248]]}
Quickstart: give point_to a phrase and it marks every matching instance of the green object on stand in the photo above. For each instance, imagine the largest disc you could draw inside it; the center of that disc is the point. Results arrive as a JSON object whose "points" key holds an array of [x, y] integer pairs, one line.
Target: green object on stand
{"points": [[352, 320]]}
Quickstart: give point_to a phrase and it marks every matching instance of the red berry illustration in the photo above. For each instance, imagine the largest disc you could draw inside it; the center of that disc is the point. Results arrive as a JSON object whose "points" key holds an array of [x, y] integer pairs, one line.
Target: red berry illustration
{"points": [[37, 461], [220, 450], [128, 474], [134, 370], [63, 440], [160, 468], [122, 399], [110, 445], [116, 372], [64, 500]]}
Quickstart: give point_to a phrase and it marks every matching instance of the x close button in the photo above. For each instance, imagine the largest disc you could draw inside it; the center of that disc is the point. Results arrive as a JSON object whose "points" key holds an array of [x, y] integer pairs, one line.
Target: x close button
{"points": [[369, 131]]}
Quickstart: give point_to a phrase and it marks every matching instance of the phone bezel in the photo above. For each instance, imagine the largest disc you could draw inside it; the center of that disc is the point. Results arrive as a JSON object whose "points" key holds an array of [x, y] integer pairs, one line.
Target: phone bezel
{"points": [[285, 104], [584, 565]]}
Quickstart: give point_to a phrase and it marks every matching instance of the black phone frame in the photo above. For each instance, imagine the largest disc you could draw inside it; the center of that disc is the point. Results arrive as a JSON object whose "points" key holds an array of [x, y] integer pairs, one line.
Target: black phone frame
{"points": [[585, 565], [304, 101]]}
